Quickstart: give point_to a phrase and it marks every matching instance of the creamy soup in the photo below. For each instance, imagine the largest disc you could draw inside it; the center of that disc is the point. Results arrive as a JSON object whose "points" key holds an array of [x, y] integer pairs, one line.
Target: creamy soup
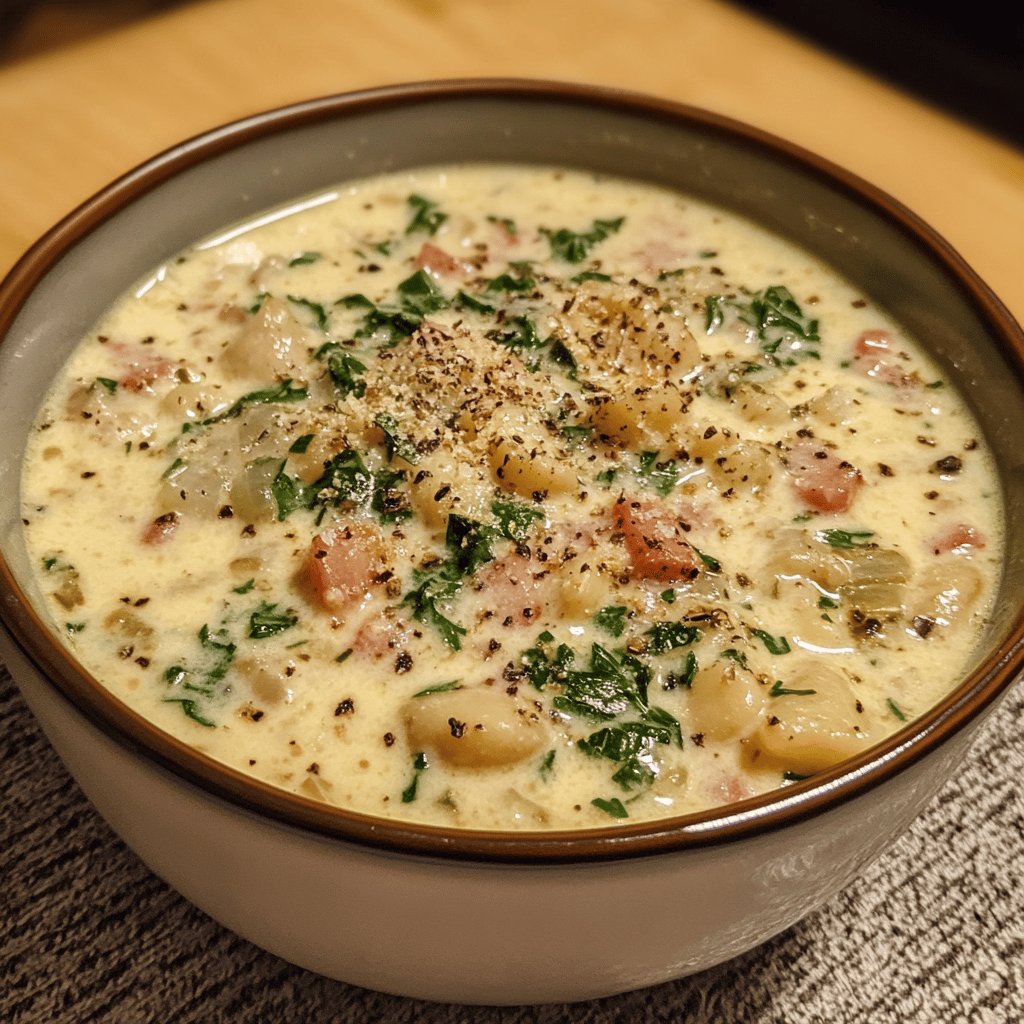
{"points": [[502, 497]]}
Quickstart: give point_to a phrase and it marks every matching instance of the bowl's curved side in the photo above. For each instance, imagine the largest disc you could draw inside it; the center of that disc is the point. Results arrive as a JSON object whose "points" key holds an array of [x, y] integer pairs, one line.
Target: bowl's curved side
{"points": [[458, 931], [58, 290]]}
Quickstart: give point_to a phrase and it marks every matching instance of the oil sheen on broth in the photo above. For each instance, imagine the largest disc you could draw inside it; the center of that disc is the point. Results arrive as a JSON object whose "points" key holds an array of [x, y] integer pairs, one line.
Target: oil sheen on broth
{"points": [[500, 497]]}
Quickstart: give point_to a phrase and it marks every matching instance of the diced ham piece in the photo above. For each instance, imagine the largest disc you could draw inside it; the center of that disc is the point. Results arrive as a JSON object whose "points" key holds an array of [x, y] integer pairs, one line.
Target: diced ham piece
{"points": [[141, 366], [726, 788], [344, 564], [433, 258], [516, 589], [821, 479], [874, 357], [956, 539], [161, 529], [655, 540]]}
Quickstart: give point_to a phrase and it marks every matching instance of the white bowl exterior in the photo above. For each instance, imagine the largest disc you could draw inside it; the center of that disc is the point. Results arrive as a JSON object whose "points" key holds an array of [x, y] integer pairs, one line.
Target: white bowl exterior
{"points": [[459, 931]]}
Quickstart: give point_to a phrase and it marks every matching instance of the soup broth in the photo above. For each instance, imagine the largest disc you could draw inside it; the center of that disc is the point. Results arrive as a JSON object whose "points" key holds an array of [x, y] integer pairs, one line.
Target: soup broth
{"points": [[504, 497]]}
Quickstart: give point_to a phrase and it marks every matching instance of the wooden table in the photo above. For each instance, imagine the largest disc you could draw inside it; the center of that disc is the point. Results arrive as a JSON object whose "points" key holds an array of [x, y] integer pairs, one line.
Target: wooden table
{"points": [[74, 118]]}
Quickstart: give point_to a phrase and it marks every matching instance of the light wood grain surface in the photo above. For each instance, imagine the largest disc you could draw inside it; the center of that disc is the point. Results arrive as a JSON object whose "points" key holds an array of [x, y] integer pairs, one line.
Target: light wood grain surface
{"points": [[74, 118]]}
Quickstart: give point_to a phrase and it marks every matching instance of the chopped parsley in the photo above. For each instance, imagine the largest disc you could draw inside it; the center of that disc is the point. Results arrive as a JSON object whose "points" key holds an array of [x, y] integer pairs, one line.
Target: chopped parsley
{"points": [[660, 476], [282, 392], [774, 644], [780, 690], [320, 315], [845, 538], [453, 684], [344, 368], [896, 709], [419, 766], [612, 807], [515, 519], [395, 442], [776, 317], [267, 621], [668, 636], [612, 619], [575, 246], [196, 687], [427, 216]]}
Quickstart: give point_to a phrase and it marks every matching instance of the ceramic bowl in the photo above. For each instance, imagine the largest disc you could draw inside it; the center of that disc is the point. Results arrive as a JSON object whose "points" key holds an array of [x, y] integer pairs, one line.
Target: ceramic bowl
{"points": [[472, 916]]}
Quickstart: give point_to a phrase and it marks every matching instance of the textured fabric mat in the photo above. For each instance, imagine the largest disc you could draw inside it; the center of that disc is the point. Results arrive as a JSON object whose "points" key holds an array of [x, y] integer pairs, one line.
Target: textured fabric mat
{"points": [[933, 932]]}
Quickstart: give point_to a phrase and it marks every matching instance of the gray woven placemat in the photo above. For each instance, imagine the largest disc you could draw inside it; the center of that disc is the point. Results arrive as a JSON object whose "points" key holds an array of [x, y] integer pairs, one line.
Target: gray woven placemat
{"points": [[933, 932]]}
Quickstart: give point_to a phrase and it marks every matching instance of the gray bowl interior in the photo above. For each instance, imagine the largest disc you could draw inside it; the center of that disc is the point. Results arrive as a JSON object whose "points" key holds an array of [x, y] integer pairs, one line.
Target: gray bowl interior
{"points": [[305, 155]]}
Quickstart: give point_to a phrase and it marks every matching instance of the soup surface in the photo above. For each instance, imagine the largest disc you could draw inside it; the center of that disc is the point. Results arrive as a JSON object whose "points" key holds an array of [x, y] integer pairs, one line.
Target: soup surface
{"points": [[505, 497]]}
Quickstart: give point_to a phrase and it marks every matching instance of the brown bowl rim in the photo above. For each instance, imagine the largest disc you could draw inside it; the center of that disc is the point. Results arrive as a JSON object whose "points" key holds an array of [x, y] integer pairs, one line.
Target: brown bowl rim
{"points": [[745, 819]]}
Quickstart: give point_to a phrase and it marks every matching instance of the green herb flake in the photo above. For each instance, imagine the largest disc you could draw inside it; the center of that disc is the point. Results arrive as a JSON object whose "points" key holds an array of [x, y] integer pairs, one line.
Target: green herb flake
{"points": [[344, 368], [257, 303], [390, 501], [266, 621], [515, 519], [661, 476], [318, 311], [610, 686], [301, 444], [427, 216], [774, 644], [246, 587], [845, 538], [517, 332], [470, 543], [560, 355], [304, 259], [453, 684], [631, 745], [612, 807], [172, 469], [896, 709], [505, 222], [668, 596], [431, 588], [685, 676], [589, 275], [74, 627], [521, 281], [108, 383], [827, 602], [612, 619], [710, 563], [344, 656], [419, 294], [395, 442], [780, 690], [668, 636], [282, 392], [547, 765], [734, 655], [463, 300], [419, 766], [776, 317], [193, 688], [574, 247]]}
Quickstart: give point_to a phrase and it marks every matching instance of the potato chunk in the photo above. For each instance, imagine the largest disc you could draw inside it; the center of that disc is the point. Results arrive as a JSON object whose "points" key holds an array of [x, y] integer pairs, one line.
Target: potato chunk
{"points": [[814, 721], [475, 727], [726, 701]]}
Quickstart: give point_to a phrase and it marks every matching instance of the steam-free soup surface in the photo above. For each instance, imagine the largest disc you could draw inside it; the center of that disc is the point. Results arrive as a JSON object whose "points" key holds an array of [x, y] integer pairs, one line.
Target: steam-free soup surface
{"points": [[502, 497]]}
